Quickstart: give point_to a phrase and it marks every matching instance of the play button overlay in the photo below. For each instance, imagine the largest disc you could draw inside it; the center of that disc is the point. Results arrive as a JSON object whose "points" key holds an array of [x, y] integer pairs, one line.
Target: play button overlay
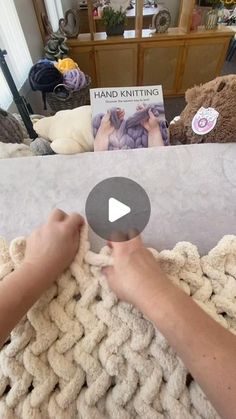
{"points": [[117, 208]]}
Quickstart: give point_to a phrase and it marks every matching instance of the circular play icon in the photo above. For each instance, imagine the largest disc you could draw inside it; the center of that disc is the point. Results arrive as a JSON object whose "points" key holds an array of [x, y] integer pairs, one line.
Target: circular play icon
{"points": [[118, 209]]}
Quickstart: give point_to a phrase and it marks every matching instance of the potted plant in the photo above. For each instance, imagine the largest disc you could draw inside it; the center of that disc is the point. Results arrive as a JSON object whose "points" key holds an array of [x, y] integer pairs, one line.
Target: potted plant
{"points": [[210, 3], [114, 21]]}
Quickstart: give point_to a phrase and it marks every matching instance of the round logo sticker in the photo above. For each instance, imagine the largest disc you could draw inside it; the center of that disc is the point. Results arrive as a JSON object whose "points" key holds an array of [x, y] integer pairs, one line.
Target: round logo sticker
{"points": [[204, 121]]}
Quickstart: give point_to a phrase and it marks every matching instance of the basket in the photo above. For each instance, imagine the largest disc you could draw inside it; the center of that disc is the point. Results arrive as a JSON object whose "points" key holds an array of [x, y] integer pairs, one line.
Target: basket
{"points": [[76, 98]]}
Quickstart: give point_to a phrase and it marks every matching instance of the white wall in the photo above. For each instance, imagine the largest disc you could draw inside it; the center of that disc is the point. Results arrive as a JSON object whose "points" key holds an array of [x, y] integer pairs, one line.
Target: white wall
{"points": [[27, 16], [173, 6], [29, 23]]}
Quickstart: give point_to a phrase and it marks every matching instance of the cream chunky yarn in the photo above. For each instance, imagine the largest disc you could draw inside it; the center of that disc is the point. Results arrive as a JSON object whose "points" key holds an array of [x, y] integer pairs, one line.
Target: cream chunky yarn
{"points": [[81, 353]]}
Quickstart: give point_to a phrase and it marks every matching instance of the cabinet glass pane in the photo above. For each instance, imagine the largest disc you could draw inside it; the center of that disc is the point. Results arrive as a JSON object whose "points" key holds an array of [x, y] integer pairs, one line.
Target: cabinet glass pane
{"points": [[116, 65], [160, 65], [201, 63]]}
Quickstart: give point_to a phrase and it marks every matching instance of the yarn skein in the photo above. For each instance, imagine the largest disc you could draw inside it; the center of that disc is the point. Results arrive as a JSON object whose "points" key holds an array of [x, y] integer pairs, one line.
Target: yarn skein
{"points": [[74, 79], [10, 130], [65, 65], [44, 77]]}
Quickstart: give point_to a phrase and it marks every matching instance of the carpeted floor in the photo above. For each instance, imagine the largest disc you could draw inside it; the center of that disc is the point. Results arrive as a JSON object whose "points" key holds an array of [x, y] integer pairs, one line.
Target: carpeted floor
{"points": [[174, 106]]}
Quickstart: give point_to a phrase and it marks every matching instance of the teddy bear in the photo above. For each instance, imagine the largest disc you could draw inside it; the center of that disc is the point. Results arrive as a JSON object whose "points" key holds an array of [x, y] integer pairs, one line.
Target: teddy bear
{"points": [[209, 116], [69, 131]]}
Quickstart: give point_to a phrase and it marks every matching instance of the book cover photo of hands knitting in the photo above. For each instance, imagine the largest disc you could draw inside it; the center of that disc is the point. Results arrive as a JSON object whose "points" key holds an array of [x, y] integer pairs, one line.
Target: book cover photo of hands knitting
{"points": [[128, 118]]}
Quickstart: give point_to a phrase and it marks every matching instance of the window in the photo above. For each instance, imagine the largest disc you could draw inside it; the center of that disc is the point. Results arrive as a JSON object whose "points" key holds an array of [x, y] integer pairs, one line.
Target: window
{"points": [[18, 56], [54, 12]]}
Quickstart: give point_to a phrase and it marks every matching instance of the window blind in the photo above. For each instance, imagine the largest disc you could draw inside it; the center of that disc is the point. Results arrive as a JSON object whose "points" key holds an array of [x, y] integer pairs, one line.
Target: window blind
{"points": [[54, 12], [18, 56]]}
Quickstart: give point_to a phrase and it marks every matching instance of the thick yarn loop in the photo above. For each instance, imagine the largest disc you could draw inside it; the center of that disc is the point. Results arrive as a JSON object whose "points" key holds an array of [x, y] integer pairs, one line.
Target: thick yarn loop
{"points": [[82, 353]]}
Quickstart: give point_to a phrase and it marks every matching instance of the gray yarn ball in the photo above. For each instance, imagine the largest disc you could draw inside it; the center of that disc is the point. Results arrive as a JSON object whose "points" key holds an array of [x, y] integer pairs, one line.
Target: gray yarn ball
{"points": [[41, 147]]}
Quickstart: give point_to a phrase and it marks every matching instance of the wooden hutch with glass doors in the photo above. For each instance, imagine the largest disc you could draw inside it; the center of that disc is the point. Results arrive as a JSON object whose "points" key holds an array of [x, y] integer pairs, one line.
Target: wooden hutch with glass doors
{"points": [[177, 59]]}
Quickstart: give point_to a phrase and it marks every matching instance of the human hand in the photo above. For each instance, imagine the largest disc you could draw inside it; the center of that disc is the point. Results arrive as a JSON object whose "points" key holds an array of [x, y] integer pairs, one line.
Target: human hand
{"points": [[51, 248], [106, 128], [136, 277], [151, 123]]}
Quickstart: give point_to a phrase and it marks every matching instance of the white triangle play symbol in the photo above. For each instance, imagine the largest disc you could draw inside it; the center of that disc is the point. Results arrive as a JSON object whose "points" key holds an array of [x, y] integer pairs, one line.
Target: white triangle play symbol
{"points": [[117, 210]]}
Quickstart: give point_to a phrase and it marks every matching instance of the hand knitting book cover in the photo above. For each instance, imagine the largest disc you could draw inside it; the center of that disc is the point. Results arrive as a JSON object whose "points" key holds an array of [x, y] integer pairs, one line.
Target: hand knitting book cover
{"points": [[128, 118]]}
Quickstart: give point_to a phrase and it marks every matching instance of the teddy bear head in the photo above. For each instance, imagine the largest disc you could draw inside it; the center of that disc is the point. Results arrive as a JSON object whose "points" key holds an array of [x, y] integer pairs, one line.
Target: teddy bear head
{"points": [[209, 116], [69, 131]]}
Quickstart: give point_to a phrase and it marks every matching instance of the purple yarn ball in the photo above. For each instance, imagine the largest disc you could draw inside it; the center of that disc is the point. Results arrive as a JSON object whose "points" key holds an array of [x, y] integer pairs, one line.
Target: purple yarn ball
{"points": [[75, 79]]}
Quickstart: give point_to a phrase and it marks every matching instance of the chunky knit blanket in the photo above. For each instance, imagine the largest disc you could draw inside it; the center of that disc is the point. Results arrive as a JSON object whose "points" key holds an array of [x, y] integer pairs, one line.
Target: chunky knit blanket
{"points": [[130, 133], [81, 353]]}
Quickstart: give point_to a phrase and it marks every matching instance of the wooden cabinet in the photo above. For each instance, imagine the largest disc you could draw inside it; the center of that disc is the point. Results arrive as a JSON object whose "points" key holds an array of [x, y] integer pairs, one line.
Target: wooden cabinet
{"points": [[160, 63], [116, 65], [180, 65], [84, 56], [108, 65], [177, 59], [202, 61], [176, 64]]}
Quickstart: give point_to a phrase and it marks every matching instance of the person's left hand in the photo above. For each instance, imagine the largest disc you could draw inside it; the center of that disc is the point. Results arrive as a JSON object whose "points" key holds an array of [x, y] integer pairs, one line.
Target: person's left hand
{"points": [[106, 128], [151, 123], [51, 248]]}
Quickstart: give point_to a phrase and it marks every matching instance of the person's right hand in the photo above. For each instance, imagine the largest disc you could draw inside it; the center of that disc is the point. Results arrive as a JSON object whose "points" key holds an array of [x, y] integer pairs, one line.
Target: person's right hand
{"points": [[135, 277], [151, 123]]}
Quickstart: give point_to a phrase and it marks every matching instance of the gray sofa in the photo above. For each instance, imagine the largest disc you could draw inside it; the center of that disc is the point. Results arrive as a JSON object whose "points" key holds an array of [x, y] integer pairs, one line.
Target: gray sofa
{"points": [[192, 190]]}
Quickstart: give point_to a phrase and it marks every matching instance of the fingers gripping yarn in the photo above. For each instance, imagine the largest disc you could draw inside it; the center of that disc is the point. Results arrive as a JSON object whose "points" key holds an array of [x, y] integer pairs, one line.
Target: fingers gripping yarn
{"points": [[130, 133], [82, 353]]}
